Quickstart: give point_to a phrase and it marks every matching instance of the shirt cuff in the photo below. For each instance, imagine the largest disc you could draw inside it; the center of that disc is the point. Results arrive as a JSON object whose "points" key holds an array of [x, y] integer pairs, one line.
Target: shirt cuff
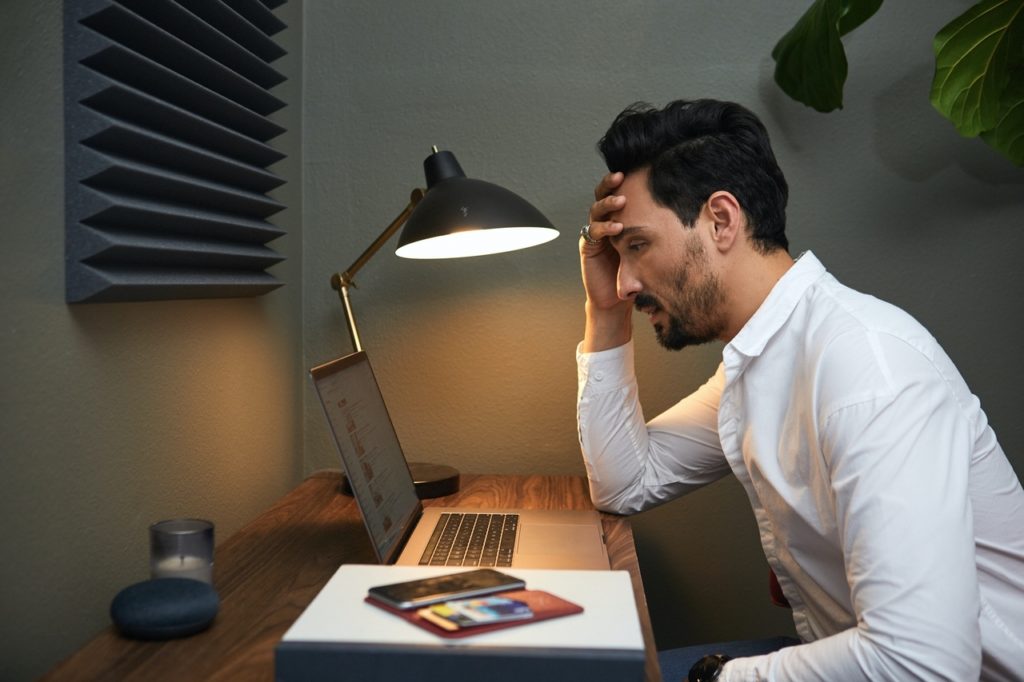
{"points": [[605, 370]]}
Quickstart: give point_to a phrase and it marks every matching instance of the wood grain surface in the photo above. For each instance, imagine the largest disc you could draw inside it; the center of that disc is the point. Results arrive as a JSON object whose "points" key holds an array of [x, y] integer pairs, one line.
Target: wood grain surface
{"points": [[271, 569]]}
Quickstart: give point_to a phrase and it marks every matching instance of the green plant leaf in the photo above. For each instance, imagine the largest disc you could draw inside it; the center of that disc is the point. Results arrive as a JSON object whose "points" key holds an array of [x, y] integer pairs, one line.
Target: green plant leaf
{"points": [[810, 63], [853, 14], [979, 74], [1008, 135]]}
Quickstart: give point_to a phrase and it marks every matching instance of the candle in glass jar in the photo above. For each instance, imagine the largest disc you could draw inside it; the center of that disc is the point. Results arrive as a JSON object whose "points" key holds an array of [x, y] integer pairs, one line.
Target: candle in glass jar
{"points": [[182, 548]]}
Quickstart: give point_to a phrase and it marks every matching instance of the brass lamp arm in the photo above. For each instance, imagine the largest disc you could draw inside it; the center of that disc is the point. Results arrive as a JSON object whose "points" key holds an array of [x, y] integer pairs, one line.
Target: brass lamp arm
{"points": [[341, 281]]}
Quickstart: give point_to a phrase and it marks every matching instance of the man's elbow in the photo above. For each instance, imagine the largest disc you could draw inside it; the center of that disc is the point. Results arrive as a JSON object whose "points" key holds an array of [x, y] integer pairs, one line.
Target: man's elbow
{"points": [[621, 502]]}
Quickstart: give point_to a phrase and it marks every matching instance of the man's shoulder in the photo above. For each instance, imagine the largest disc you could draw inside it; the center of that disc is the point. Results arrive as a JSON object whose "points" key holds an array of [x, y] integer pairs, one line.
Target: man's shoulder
{"points": [[837, 314]]}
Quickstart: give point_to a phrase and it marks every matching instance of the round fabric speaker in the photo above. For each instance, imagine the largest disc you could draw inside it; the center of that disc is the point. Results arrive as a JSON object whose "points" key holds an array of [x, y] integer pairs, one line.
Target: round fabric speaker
{"points": [[164, 608]]}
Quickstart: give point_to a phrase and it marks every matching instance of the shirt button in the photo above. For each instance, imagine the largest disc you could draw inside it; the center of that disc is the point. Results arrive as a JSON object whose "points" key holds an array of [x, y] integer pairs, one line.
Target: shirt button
{"points": [[598, 376]]}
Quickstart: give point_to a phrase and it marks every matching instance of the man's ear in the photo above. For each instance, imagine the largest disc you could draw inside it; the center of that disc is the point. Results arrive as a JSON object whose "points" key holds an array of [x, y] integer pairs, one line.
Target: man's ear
{"points": [[726, 218]]}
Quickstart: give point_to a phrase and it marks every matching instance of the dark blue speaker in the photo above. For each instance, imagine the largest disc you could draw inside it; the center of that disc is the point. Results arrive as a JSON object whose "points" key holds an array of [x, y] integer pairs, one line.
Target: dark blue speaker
{"points": [[164, 608]]}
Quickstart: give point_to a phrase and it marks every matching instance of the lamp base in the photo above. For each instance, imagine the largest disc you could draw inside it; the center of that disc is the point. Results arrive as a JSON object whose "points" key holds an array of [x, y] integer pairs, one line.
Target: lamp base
{"points": [[431, 480], [434, 480]]}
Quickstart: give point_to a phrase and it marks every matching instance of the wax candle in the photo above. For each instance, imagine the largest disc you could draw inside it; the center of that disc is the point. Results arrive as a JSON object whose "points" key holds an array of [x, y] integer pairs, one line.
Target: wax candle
{"points": [[197, 568]]}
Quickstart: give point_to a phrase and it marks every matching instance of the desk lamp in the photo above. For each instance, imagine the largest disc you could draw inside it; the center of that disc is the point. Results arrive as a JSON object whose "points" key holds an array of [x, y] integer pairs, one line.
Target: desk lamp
{"points": [[454, 217]]}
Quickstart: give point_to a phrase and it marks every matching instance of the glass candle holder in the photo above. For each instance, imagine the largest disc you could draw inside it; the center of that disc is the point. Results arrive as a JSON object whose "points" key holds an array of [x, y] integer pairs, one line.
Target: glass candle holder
{"points": [[181, 548]]}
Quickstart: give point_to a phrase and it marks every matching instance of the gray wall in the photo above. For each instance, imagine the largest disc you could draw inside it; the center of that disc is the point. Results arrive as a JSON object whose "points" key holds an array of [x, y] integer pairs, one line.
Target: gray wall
{"points": [[116, 415], [476, 356]]}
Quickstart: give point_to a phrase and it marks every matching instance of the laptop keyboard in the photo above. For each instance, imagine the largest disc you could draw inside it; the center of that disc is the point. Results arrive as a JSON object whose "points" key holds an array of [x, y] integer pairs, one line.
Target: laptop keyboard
{"points": [[472, 540]]}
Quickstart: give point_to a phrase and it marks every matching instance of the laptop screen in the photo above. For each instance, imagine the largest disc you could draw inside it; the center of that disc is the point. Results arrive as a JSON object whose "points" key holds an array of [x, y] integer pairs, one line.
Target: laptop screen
{"points": [[369, 448]]}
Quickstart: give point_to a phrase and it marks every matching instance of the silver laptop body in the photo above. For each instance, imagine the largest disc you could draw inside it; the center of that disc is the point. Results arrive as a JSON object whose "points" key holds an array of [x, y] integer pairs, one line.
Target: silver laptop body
{"points": [[378, 473]]}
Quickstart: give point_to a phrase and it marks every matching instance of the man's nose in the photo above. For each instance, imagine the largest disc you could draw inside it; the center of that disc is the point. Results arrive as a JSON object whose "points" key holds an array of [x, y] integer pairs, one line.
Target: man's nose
{"points": [[627, 286]]}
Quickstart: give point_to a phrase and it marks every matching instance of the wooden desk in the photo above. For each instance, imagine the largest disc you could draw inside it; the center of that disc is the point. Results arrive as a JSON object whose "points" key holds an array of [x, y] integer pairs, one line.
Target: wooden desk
{"points": [[268, 572]]}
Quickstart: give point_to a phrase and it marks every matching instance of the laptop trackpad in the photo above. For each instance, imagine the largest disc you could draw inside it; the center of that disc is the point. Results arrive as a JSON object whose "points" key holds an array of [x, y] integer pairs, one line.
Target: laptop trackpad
{"points": [[557, 537]]}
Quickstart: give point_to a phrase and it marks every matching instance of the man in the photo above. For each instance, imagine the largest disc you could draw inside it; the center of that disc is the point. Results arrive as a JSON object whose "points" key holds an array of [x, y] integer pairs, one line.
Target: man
{"points": [[885, 505]]}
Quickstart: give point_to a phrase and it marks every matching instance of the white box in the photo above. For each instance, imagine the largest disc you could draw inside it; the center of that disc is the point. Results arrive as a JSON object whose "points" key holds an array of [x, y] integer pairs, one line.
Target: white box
{"points": [[340, 637]]}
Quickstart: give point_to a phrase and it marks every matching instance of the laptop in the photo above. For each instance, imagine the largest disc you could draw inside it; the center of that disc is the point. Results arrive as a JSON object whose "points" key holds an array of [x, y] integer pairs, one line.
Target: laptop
{"points": [[401, 529]]}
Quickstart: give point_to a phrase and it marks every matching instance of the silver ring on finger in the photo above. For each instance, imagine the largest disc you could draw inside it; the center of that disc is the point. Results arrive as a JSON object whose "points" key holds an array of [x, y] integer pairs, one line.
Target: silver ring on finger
{"points": [[585, 233]]}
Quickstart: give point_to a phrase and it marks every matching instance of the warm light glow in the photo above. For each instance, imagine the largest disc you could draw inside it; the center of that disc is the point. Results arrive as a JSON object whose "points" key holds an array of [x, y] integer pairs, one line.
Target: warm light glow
{"points": [[477, 242]]}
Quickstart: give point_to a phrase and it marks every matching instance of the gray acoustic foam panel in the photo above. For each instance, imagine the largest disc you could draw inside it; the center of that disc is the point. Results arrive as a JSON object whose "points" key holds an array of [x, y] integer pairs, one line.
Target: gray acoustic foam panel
{"points": [[166, 148]]}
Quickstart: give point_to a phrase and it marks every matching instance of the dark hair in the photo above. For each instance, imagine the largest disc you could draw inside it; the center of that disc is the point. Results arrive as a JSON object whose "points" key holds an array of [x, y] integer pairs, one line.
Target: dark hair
{"points": [[695, 148]]}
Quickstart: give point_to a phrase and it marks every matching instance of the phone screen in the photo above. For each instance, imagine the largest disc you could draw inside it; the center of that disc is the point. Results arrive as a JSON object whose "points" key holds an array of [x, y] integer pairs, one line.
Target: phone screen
{"points": [[416, 593]]}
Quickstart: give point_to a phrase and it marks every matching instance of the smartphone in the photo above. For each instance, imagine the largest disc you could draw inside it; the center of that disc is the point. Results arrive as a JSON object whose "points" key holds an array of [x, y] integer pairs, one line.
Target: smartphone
{"points": [[413, 594]]}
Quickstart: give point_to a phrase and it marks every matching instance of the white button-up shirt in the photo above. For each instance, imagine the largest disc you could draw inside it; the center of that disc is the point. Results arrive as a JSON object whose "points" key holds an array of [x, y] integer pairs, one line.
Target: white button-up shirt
{"points": [[885, 505]]}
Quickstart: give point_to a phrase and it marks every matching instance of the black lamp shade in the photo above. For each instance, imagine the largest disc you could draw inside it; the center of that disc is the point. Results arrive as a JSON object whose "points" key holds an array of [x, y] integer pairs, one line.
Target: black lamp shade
{"points": [[460, 216]]}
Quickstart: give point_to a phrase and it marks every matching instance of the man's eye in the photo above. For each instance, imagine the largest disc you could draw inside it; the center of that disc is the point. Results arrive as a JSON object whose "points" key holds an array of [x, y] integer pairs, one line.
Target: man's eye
{"points": [[636, 246]]}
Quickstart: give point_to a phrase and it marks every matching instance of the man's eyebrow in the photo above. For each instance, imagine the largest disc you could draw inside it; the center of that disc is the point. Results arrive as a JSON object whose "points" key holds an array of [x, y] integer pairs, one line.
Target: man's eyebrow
{"points": [[626, 231]]}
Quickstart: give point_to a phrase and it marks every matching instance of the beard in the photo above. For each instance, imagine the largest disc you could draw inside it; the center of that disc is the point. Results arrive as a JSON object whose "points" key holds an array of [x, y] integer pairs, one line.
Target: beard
{"points": [[692, 306]]}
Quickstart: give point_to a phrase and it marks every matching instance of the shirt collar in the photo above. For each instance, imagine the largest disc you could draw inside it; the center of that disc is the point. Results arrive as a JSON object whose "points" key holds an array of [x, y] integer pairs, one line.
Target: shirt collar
{"points": [[778, 306]]}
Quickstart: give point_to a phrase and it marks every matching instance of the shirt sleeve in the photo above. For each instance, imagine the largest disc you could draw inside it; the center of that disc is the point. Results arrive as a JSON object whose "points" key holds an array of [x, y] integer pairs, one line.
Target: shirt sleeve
{"points": [[898, 464], [633, 465]]}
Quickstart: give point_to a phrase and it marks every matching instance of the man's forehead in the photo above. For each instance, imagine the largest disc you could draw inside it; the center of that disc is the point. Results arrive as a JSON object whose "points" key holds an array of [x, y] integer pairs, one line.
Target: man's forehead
{"points": [[637, 180], [641, 210], [636, 188]]}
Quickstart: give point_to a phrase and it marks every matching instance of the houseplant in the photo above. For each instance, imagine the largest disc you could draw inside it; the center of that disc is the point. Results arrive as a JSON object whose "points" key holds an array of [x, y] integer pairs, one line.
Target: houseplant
{"points": [[978, 83]]}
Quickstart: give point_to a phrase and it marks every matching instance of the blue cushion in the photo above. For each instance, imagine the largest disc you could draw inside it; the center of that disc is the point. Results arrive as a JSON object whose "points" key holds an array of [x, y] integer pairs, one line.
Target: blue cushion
{"points": [[164, 608]]}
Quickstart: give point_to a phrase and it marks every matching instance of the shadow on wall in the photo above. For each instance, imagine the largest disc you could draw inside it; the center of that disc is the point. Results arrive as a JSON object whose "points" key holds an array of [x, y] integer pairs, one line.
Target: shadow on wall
{"points": [[921, 146], [910, 137]]}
